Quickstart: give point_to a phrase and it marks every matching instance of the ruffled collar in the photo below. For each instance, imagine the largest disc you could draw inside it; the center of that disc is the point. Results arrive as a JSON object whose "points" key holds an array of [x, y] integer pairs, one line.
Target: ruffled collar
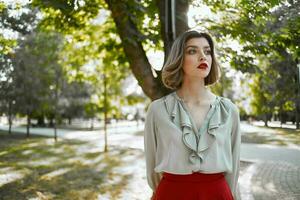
{"points": [[197, 141]]}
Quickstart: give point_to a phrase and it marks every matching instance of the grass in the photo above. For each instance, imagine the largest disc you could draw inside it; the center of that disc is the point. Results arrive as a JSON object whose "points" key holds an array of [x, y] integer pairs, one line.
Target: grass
{"points": [[39, 168], [274, 136]]}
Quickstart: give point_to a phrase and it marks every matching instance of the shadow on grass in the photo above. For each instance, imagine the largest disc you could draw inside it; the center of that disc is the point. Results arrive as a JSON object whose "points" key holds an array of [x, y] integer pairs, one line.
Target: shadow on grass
{"points": [[279, 136], [69, 169]]}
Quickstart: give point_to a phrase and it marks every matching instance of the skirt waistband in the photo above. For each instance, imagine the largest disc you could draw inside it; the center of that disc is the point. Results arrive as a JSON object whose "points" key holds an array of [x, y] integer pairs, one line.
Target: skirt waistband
{"points": [[195, 177]]}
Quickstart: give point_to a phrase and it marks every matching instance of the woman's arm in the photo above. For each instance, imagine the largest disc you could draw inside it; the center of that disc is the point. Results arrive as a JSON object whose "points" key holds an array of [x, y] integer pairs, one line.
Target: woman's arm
{"points": [[150, 145], [232, 178]]}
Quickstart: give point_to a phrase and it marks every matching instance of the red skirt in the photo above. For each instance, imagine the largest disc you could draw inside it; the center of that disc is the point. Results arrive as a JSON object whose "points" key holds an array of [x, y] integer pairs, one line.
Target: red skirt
{"points": [[196, 186]]}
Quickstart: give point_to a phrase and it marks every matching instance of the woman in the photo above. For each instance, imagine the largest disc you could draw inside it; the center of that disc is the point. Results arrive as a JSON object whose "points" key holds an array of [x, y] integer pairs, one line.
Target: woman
{"points": [[192, 136]]}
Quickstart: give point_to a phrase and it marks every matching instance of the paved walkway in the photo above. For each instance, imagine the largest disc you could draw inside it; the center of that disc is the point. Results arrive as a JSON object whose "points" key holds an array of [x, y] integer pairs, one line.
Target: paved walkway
{"points": [[272, 172], [268, 172], [265, 152]]}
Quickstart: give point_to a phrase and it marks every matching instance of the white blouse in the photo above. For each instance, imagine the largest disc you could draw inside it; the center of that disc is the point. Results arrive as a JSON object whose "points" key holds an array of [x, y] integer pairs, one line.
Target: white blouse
{"points": [[174, 145]]}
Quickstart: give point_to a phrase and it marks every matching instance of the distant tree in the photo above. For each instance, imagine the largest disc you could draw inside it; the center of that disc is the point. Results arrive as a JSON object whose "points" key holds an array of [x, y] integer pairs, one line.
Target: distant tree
{"points": [[267, 29], [91, 109], [7, 95], [35, 70], [129, 19], [263, 90], [18, 25], [74, 96]]}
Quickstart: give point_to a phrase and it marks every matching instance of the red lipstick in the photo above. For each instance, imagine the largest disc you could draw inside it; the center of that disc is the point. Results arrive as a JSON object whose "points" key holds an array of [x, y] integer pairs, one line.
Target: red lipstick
{"points": [[202, 66]]}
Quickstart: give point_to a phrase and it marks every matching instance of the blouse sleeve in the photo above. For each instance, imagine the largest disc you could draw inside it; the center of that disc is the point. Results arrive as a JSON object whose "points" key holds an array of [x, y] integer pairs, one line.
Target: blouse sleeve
{"points": [[150, 145], [232, 178]]}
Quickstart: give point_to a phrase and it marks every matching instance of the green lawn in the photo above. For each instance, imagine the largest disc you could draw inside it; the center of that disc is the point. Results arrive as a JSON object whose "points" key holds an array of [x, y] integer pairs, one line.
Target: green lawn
{"points": [[275, 136], [69, 169], [39, 168]]}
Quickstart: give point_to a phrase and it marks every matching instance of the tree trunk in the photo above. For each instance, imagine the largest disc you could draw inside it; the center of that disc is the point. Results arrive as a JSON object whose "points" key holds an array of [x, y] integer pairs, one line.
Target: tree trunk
{"points": [[297, 100], [105, 115], [297, 110], [266, 120], [181, 21], [41, 121], [9, 124], [139, 64], [92, 124], [55, 105], [69, 120], [28, 125], [9, 116], [55, 130], [298, 115], [51, 123]]}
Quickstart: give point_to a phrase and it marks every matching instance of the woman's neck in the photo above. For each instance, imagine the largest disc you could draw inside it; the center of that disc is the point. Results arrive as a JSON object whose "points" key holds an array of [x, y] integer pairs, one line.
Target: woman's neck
{"points": [[194, 92]]}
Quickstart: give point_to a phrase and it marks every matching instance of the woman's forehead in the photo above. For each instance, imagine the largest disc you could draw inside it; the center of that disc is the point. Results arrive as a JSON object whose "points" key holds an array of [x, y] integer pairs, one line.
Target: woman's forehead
{"points": [[200, 42]]}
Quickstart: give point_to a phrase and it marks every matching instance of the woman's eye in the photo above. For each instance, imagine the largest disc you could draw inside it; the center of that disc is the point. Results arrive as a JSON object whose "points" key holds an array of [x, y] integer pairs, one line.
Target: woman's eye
{"points": [[192, 51], [207, 52]]}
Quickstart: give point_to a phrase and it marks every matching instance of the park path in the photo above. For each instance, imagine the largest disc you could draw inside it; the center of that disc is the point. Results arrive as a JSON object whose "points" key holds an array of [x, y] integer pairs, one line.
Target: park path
{"points": [[267, 172]]}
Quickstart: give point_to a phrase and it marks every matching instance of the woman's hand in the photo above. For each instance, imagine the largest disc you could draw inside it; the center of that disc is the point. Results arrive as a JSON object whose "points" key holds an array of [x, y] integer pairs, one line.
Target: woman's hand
{"points": [[153, 196]]}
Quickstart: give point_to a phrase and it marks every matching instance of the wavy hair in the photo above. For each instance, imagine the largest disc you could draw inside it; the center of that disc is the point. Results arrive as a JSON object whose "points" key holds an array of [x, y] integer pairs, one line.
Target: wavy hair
{"points": [[172, 72]]}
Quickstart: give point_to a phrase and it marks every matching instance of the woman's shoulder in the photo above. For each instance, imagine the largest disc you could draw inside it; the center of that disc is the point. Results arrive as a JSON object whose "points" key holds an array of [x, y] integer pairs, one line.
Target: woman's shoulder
{"points": [[157, 104], [229, 104]]}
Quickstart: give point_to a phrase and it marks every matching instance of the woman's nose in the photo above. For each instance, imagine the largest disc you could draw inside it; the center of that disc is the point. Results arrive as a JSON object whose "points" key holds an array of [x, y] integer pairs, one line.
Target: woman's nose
{"points": [[202, 57]]}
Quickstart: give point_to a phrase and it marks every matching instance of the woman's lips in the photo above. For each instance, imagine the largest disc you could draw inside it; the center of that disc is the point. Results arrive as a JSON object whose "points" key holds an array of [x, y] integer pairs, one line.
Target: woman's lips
{"points": [[202, 66]]}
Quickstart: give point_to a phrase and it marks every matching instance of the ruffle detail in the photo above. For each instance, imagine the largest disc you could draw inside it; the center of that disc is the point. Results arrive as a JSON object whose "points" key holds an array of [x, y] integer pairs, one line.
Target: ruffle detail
{"points": [[197, 143]]}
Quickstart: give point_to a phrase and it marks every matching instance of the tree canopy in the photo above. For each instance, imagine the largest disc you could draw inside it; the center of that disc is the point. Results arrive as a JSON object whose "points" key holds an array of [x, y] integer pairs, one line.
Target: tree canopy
{"points": [[104, 40]]}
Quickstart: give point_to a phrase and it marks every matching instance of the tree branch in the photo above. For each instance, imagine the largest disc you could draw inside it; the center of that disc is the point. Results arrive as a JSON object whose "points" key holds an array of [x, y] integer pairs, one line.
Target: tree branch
{"points": [[134, 51]]}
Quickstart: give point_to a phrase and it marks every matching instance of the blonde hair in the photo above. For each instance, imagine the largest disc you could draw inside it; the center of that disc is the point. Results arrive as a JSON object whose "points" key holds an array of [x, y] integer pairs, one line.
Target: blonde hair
{"points": [[172, 72]]}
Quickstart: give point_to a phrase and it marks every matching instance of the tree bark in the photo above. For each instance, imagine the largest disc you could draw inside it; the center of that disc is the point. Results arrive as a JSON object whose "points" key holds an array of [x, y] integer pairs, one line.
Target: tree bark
{"points": [[55, 129], [182, 7], [105, 115], [9, 116], [56, 96], [266, 120], [297, 110], [297, 101], [51, 123], [92, 123], [181, 21], [41, 121], [129, 34], [28, 125], [9, 124]]}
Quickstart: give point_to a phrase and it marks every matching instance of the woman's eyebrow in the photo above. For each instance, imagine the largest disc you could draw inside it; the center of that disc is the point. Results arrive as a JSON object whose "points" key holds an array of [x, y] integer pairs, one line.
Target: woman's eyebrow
{"points": [[196, 47]]}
